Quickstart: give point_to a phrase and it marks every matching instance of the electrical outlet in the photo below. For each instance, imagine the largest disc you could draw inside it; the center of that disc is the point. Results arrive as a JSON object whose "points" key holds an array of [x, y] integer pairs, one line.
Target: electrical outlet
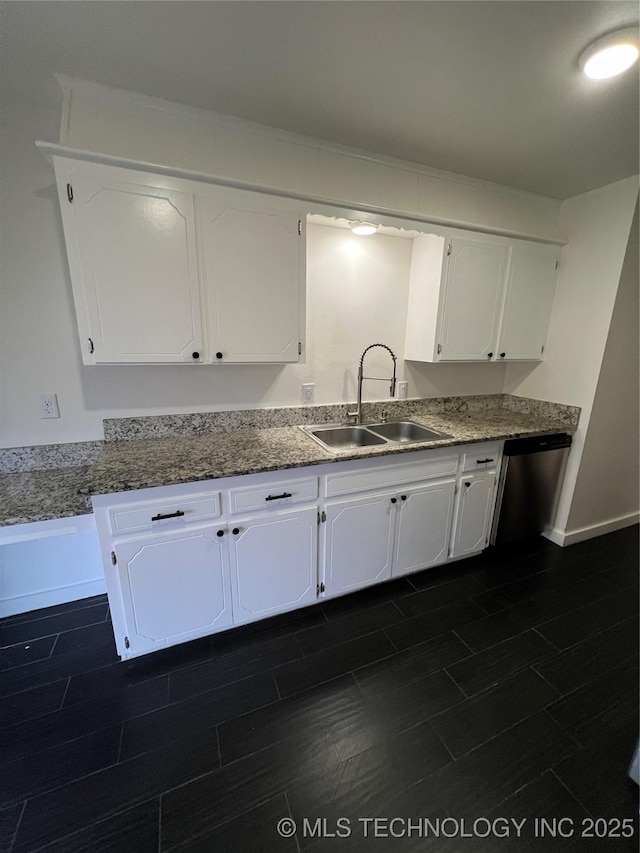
{"points": [[403, 390], [49, 406], [307, 392]]}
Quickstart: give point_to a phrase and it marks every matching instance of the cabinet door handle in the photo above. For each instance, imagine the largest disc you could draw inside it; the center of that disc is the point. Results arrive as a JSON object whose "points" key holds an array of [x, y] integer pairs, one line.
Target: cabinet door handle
{"points": [[489, 355], [278, 497], [483, 461], [161, 516], [218, 355], [235, 531], [394, 500], [220, 533], [467, 484], [403, 497], [502, 354]]}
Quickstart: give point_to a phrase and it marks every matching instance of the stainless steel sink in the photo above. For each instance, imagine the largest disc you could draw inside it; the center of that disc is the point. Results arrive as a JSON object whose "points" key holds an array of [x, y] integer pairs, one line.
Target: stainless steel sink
{"points": [[345, 437], [405, 431], [338, 438]]}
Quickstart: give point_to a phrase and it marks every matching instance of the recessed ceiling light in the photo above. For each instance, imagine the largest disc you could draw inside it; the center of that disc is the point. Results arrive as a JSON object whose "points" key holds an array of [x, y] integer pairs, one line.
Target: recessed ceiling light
{"points": [[363, 228], [611, 54]]}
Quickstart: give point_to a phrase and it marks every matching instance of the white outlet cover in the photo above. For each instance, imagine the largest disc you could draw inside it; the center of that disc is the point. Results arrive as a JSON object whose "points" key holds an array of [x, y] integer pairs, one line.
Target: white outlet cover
{"points": [[307, 392], [48, 404]]}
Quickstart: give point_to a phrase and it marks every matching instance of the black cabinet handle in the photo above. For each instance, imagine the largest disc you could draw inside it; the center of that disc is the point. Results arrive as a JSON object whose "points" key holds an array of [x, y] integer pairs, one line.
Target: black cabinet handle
{"points": [[403, 497], [218, 355], [502, 354], [489, 355], [467, 484], [277, 497], [483, 461], [161, 516], [220, 533], [235, 531], [195, 354], [393, 500]]}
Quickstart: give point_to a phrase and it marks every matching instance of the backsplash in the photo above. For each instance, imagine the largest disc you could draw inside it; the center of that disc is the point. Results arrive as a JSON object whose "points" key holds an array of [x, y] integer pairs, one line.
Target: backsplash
{"points": [[201, 423], [17, 460]]}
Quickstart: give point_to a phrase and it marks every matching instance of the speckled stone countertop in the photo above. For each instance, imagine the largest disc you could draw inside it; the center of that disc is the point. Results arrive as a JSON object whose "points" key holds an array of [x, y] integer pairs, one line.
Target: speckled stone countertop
{"points": [[56, 481], [42, 495], [126, 465]]}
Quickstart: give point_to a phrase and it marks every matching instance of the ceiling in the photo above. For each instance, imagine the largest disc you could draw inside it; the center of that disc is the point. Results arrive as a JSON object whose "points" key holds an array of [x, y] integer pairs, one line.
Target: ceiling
{"points": [[486, 89]]}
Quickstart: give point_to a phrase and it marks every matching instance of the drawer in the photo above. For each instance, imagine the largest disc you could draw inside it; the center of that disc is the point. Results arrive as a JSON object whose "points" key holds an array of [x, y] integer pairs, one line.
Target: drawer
{"points": [[481, 456], [144, 516], [274, 496], [391, 475]]}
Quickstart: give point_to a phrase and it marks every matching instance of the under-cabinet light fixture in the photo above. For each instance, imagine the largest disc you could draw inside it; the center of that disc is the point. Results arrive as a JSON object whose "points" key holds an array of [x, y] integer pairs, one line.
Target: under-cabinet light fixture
{"points": [[363, 228], [610, 55]]}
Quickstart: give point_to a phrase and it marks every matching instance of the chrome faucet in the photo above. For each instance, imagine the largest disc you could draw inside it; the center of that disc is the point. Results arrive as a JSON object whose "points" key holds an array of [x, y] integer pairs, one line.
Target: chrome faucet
{"points": [[358, 412]]}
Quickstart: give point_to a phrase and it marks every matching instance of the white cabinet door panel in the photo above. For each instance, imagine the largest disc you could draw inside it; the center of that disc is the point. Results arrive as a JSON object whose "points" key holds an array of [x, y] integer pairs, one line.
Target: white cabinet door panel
{"points": [[529, 299], [139, 273], [252, 268], [474, 288], [273, 563], [424, 527], [174, 587], [476, 498], [358, 542]]}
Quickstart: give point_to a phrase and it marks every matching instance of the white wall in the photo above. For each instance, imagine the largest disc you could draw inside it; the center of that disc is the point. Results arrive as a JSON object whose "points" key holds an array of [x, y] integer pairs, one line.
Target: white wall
{"points": [[597, 226], [607, 483]]}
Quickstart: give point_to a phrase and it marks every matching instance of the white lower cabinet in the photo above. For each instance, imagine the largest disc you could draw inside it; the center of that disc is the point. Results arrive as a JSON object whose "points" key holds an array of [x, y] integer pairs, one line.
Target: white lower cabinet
{"points": [[274, 564], [423, 527], [188, 560], [174, 587], [358, 542], [372, 539], [473, 513]]}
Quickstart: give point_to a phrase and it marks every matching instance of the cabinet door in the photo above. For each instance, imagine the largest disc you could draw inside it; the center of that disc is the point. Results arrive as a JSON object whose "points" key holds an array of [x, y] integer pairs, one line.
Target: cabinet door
{"points": [[423, 527], [274, 563], [133, 264], [358, 542], [531, 285], [253, 266], [473, 512], [474, 286], [174, 587]]}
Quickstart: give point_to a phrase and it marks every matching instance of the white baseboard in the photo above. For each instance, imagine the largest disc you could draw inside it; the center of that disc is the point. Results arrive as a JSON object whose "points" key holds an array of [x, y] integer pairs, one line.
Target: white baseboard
{"points": [[564, 538], [49, 562]]}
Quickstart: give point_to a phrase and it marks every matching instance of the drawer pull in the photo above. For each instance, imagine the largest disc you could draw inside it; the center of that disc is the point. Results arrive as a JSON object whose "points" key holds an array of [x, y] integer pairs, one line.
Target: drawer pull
{"points": [[161, 516], [483, 461], [278, 497]]}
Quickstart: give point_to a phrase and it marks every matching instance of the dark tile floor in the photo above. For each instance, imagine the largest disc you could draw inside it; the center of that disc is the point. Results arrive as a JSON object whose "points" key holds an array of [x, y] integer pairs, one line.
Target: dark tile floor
{"points": [[502, 688]]}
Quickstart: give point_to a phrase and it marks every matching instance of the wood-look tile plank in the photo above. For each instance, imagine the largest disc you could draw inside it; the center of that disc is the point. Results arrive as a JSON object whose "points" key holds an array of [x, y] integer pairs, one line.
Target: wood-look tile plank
{"points": [[489, 713], [499, 662]]}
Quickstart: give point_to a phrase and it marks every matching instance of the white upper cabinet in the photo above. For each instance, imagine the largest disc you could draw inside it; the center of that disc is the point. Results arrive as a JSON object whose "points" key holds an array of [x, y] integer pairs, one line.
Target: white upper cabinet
{"points": [[472, 294], [253, 266], [167, 270], [131, 243], [476, 298], [530, 289]]}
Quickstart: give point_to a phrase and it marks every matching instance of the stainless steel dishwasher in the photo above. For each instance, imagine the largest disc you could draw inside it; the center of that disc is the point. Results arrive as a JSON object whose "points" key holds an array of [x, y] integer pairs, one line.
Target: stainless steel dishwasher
{"points": [[529, 486]]}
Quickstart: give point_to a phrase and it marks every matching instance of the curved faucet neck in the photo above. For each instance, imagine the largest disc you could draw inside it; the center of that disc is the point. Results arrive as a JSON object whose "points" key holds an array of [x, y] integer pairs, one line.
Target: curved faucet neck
{"points": [[358, 412]]}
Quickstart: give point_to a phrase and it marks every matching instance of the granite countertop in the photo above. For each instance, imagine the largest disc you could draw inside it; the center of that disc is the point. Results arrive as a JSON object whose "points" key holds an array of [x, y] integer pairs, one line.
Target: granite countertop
{"points": [[43, 495], [127, 465], [165, 450]]}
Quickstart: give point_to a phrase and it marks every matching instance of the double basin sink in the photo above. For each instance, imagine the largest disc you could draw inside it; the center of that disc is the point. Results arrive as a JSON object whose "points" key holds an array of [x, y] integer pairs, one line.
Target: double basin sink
{"points": [[337, 438]]}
